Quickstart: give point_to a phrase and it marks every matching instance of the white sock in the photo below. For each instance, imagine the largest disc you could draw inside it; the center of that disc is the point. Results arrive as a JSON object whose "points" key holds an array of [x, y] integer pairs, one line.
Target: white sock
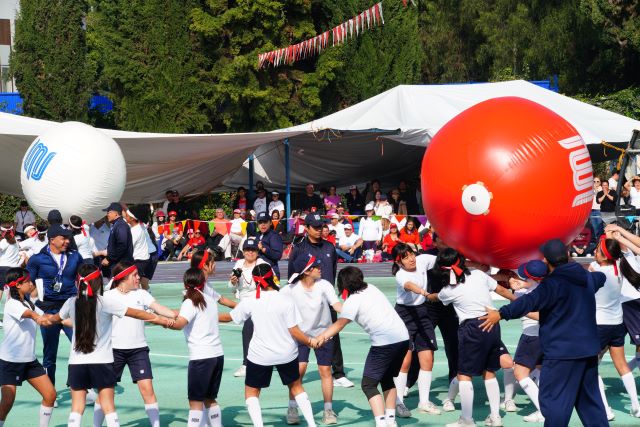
{"points": [[424, 386], [194, 418], [401, 383], [204, 420], [112, 419], [531, 388], [604, 396], [74, 419], [98, 415], [305, 406], [509, 380], [293, 403], [454, 389], [328, 406], [630, 385], [215, 416], [466, 399], [153, 412], [493, 395], [253, 406], [390, 414], [45, 416], [381, 421]]}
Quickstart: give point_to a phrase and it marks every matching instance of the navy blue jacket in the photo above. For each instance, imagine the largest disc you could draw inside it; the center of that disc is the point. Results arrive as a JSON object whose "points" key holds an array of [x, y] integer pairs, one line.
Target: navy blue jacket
{"points": [[272, 242], [323, 250], [43, 266], [120, 246], [567, 305]]}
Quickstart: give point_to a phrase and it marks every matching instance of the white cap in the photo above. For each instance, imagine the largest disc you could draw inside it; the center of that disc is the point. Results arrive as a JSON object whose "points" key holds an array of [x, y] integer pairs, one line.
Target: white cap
{"points": [[369, 206]]}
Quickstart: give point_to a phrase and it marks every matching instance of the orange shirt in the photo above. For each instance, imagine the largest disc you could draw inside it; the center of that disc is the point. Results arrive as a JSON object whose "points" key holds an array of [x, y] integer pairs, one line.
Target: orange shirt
{"points": [[414, 237]]}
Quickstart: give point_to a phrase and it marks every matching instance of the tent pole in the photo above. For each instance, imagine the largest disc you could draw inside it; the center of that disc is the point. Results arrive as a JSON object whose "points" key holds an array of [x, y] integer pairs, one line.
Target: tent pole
{"points": [[250, 189], [287, 169]]}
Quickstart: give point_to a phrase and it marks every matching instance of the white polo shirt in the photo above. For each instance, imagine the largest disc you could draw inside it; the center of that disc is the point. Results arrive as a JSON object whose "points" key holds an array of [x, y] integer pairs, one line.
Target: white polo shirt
{"points": [[139, 239], [608, 297], [313, 305], [417, 277], [19, 341], [202, 331], [530, 327], [127, 332], [470, 298]]}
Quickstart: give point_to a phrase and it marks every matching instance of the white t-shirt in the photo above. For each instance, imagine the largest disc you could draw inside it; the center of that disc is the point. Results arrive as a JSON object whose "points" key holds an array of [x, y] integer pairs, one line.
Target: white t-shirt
{"points": [[629, 293], [313, 305], [613, 184], [19, 342], [276, 206], [370, 230], [371, 310], [246, 286], [530, 327], [127, 332], [471, 297], [272, 315], [140, 248], [236, 225], [105, 310], [32, 245], [100, 236], [202, 331], [260, 205], [418, 277], [338, 228], [635, 197], [348, 241], [608, 297], [384, 209], [9, 254], [24, 218], [86, 245]]}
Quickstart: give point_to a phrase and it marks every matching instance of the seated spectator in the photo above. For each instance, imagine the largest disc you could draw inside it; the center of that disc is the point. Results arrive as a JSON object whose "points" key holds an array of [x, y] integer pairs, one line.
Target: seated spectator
{"points": [[355, 201], [613, 181], [625, 196], [195, 243], [408, 195], [276, 205], [370, 229], [328, 235], [385, 223], [382, 206], [370, 191], [280, 227], [349, 246], [395, 201], [336, 226], [220, 245], [298, 228], [241, 202], [583, 245], [173, 236], [331, 201], [607, 199], [311, 202], [236, 232], [427, 238], [390, 241], [252, 225], [179, 207], [410, 235], [260, 204]]}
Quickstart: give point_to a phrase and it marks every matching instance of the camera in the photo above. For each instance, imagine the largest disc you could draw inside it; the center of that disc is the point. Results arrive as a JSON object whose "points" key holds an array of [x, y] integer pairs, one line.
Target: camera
{"points": [[237, 272]]}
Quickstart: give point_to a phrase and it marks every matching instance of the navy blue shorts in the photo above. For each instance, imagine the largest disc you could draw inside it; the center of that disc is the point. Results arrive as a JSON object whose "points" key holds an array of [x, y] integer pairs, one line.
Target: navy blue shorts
{"points": [[631, 318], [503, 349], [478, 351], [324, 354], [259, 376], [137, 359], [151, 265], [203, 378], [385, 361], [528, 353], [95, 375], [143, 267], [421, 332], [611, 335], [3, 274], [14, 373]]}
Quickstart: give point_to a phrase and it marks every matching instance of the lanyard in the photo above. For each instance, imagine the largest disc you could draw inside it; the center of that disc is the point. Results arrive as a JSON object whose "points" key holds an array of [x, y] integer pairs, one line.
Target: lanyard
{"points": [[60, 266]]}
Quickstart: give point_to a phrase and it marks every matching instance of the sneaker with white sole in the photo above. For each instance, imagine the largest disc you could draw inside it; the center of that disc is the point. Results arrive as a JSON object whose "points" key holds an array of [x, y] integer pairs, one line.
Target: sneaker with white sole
{"points": [[241, 371], [448, 406], [329, 417], [610, 414], [635, 413], [509, 406], [392, 423], [342, 382], [402, 411], [292, 416], [429, 408], [493, 421], [535, 417], [92, 396], [461, 422]]}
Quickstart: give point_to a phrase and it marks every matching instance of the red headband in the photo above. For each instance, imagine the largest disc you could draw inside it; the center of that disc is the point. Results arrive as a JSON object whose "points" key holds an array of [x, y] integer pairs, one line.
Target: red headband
{"points": [[199, 287], [84, 232], [605, 252], [345, 294], [18, 281], [530, 276], [455, 267], [261, 282], [124, 273], [86, 279], [204, 260]]}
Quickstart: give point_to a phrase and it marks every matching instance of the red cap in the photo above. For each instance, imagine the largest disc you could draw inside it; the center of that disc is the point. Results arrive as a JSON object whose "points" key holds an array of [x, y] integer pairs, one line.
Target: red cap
{"points": [[174, 213]]}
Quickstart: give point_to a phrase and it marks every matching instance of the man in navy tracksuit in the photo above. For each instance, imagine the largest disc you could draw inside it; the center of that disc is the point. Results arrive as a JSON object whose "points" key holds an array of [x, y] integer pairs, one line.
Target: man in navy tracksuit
{"points": [[56, 265], [120, 244], [270, 245], [566, 302]]}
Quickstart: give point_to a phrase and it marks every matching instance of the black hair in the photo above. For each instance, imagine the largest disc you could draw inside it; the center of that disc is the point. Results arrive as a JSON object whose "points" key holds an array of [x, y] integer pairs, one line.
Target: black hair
{"points": [[117, 269], [86, 306], [76, 222], [141, 212], [42, 231], [351, 279], [560, 260], [14, 274], [628, 272], [197, 257], [194, 278], [446, 258], [400, 250], [9, 235], [263, 269]]}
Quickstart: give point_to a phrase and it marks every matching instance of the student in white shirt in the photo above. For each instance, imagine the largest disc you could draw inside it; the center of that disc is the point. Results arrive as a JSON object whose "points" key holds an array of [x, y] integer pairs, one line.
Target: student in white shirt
{"points": [[91, 356], [410, 272], [18, 361], [32, 243], [478, 351], [128, 339], [370, 230], [141, 252], [198, 318], [276, 331], [369, 308], [609, 315], [9, 253], [313, 296], [84, 242], [204, 260], [99, 230]]}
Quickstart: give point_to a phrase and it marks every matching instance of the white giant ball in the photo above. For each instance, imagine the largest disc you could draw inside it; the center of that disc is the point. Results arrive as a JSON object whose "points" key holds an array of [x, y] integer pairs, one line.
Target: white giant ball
{"points": [[74, 168]]}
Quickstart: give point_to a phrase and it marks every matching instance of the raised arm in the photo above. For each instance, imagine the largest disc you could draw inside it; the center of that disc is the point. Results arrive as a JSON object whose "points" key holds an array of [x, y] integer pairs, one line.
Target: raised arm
{"points": [[227, 302]]}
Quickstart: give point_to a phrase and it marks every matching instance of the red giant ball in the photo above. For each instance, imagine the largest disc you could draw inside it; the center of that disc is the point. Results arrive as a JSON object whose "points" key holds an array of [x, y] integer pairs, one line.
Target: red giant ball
{"points": [[503, 177]]}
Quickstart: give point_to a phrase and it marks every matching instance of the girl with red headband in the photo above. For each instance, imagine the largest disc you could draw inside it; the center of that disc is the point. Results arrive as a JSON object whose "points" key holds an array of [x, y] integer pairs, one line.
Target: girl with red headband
{"points": [[128, 338], [91, 356], [478, 352], [609, 316], [198, 318], [18, 361], [410, 272], [9, 253], [276, 322], [85, 243], [204, 260]]}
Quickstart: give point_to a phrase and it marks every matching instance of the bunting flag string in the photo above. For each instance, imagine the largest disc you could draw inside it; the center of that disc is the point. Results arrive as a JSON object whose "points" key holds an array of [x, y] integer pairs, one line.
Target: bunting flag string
{"points": [[367, 19]]}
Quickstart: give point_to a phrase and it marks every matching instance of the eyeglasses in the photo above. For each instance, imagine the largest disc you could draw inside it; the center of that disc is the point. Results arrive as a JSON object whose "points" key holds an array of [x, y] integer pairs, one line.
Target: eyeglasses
{"points": [[596, 181]]}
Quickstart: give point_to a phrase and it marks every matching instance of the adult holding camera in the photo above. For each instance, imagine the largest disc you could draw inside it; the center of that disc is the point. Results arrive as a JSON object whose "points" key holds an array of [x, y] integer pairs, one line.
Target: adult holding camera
{"points": [[241, 279], [270, 245]]}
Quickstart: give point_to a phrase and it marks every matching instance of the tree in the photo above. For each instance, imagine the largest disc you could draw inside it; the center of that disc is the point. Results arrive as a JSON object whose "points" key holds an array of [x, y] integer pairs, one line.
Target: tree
{"points": [[49, 59]]}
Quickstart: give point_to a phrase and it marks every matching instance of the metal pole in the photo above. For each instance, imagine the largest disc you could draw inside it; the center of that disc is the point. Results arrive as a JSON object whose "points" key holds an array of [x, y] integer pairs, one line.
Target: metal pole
{"points": [[250, 189], [287, 171]]}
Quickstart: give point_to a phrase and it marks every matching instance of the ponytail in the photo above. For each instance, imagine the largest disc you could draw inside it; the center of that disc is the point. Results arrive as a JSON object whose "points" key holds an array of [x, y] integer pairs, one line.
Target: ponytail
{"points": [[194, 281], [89, 286], [449, 265], [630, 273]]}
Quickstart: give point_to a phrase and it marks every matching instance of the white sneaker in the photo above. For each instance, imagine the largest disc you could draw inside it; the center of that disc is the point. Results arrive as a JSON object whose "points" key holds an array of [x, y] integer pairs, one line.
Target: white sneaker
{"points": [[429, 408], [392, 423], [342, 382], [92, 396], [508, 406], [635, 413], [402, 411], [493, 421], [241, 371], [535, 417], [448, 406], [329, 417], [610, 414], [461, 422], [292, 416]]}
